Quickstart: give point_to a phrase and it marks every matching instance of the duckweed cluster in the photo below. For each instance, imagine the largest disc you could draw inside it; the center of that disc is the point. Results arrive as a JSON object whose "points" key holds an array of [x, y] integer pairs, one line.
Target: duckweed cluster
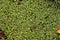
{"points": [[17, 17]]}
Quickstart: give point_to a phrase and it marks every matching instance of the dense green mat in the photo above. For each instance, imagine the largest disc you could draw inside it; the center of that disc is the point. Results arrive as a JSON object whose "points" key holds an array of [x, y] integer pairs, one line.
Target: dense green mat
{"points": [[29, 19]]}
